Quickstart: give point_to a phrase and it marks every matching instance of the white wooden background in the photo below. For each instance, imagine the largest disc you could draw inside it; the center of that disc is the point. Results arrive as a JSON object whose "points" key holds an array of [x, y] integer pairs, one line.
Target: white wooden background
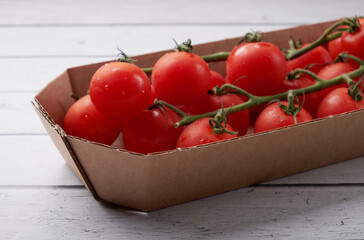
{"points": [[40, 198]]}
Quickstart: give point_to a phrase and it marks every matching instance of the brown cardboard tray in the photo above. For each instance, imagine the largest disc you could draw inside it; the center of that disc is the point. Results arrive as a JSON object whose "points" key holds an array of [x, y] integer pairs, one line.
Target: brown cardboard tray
{"points": [[159, 180]]}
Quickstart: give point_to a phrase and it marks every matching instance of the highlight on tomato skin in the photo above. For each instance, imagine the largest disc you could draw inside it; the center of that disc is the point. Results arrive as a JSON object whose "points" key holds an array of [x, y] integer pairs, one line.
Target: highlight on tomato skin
{"points": [[338, 101], [120, 90], [151, 131], [273, 117], [257, 67], [200, 132], [181, 78], [83, 120]]}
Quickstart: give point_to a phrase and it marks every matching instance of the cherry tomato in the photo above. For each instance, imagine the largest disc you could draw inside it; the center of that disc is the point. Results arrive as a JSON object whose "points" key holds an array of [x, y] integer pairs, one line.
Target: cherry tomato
{"points": [[338, 101], [239, 121], [120, 90], [353, 42], [311, 100], [153, 95], [216, 79], [317, 55], [85, 121], [200, 132], [335, 48], [273, 117], [181, 78], [331, 71], [258, 67], [151, 131]]}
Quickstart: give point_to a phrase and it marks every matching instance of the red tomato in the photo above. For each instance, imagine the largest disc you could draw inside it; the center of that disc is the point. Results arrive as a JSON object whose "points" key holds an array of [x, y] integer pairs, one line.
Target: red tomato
{"points": [[153, 95], [273, 117], [311, 100], [259, 66], [216, 79], [353, 42], [85, 121], [331, 71], [317, 55], [239, 121], [200, 132], [120, 90], [151, 131], [336, 102], [335, 48], [181, 78]]}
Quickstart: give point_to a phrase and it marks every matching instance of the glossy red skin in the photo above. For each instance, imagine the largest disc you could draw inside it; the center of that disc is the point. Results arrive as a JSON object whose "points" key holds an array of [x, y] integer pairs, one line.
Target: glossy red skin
{"points": [[335, 48], [336, 102], [240, 121], [317, 55], [273, 117], [181, 78], [200, 132], [311, 100], [85, 121], [216, 79], [262, 63], [151, 131], [120, 90], [331, 71], [153, 95], [353, 43]]}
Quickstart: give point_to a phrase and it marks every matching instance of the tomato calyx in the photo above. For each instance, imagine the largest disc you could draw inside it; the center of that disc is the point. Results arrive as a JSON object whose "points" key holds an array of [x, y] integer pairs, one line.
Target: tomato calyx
{"points": [[122, 57], [291, 108], [294, 75], [219, 91], [219, 123], [354, 25], [75, 97], [251, 37], [183, 47], [355, 88]]}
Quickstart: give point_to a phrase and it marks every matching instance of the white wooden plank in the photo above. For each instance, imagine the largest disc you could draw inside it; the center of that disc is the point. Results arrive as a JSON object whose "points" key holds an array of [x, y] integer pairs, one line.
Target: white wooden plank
{"points": [[162, 11], [17, 116], [33, 160], [32, 74], [104, 40], [251, 213]]}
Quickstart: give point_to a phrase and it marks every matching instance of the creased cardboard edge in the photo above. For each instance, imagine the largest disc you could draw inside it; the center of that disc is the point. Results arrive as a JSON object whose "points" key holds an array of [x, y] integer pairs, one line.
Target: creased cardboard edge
{"points": [[51, 126]]}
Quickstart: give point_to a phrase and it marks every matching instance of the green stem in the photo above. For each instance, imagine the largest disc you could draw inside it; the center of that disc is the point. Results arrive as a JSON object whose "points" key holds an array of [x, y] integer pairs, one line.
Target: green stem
{"points": [[257, 100], [173, 108], [215, 57], [327, 36]]}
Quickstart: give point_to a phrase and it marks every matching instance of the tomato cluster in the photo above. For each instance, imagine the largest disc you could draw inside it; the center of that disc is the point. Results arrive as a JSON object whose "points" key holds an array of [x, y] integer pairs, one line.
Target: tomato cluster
{"points": [[123, 99]]}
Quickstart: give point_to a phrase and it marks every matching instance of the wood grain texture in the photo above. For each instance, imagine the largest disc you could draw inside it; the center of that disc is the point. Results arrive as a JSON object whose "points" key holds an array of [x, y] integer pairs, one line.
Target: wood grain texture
{"points": [[229, 12], [33, 160], [104, 41], [40, 197], [250, 213], [31, 74]]}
